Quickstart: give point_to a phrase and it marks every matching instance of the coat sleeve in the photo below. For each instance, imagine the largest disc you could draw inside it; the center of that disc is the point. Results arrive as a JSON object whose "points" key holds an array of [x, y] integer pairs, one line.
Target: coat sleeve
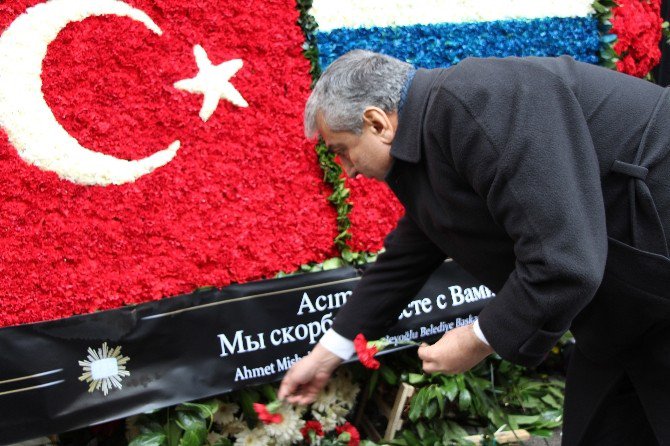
{"points": [[386, 287], [524, 146]]}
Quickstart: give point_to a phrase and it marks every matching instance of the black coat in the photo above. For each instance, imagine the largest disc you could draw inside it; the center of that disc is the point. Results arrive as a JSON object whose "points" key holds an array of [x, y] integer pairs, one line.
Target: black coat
{"points": [[528, 172]]}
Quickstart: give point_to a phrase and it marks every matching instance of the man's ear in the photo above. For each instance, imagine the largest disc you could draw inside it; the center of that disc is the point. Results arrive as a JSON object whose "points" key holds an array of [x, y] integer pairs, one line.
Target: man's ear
{"points": [[379, 123]]}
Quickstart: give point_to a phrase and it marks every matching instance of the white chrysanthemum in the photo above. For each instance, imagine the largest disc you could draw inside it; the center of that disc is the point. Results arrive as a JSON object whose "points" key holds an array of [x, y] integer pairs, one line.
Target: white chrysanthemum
{"points": [[226, 413], [325, 399], [213, 437], [255, 437], [346, 390], [331, 417], [335, 400], [233, 428], [288, 431]]}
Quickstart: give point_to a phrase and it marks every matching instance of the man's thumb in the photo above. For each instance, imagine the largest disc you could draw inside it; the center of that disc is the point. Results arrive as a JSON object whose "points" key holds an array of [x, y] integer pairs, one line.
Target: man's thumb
{"points": [[424, 351]]}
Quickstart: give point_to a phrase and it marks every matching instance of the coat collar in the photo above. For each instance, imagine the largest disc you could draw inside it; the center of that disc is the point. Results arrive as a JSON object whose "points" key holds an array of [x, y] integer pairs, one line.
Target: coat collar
{"points": [[406, 144]]}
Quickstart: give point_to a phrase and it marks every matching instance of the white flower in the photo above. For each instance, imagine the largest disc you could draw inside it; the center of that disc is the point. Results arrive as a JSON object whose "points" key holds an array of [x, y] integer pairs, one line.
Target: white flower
{"points": [[226, 413], [332, 15], [346, 390], [329, 418], [325, 399], [288, 431], [256, 437], [233, 428], [335, 400], [213, 437]]}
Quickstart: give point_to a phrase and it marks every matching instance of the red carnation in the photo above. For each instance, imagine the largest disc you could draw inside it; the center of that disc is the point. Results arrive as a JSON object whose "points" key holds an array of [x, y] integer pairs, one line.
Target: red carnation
{"points": [[266, 416], [638, 27], [366, 355], [311, 430], [348, 432]]}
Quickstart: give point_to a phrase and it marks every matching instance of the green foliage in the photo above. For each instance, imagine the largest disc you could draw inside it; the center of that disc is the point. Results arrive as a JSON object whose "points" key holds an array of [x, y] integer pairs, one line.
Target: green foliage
{"points": [[494, 395], [332, 172], [308, 26], [186, 425], [603, 9]]}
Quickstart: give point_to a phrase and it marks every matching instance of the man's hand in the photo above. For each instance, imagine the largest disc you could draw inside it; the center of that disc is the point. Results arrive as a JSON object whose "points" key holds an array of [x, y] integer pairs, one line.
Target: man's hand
{"points": [[307, 377], [456, 352]]}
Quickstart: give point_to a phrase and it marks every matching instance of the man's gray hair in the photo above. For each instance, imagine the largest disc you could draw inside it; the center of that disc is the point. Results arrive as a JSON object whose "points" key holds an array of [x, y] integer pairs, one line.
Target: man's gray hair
{"points": [[356, 80]]}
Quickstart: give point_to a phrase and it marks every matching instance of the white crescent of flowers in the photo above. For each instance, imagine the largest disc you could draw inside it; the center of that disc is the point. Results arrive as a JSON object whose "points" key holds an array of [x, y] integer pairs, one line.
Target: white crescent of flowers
{"points": [[31, 125]]}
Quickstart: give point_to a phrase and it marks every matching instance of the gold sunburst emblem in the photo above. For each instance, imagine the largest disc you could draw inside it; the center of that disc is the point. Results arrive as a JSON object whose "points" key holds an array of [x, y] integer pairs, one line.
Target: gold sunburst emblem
{"points": [[104, 369]]}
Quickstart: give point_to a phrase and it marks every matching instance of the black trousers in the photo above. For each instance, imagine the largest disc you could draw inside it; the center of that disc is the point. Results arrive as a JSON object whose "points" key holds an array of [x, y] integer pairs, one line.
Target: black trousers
{"points": [[624, 403]]}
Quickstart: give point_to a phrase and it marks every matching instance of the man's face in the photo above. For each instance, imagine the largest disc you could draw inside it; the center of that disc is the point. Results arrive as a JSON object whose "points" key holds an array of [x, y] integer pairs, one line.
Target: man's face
{"points": [[367, 154]]}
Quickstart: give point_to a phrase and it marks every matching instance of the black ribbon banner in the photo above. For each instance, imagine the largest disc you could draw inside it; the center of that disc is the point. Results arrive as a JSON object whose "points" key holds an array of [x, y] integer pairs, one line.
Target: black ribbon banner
{"points": [[61, 375]]}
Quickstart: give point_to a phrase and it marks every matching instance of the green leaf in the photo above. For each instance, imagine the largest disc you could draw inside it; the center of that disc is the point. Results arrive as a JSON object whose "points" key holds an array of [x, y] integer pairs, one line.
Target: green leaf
{"points": [[497, 417], [439, 395], [460, 382], [416, 378], [609, 38], [417, 405], [347, 255], [372, 384], [524, 420], [333, 263], [543, 433], [599, 8], [195, 437], [173, 433], [608, 3], [410, 438], [149, 439], [269, 392], [450, 388], [551, 401], [456, 430], [464, 399], [247, 399], [189, 420], [205, 409], [431, 409], [388, 375], [421, 430]]}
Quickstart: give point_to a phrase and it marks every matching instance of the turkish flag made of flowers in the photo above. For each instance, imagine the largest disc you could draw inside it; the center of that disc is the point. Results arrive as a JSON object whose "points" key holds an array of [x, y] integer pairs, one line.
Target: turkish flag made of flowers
{"points": [[150, 147]]}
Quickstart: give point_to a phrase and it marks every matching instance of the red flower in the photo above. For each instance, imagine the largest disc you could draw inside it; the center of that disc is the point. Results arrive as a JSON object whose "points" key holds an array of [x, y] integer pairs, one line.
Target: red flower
{"points": [[238, 202], [374, 214], [637, 25], [312, 427], [266, 416], [366, 355], [349, 433]]}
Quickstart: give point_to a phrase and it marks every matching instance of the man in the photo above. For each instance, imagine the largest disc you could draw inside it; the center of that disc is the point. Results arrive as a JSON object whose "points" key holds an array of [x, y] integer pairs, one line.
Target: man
{"points": [[545, 178]]}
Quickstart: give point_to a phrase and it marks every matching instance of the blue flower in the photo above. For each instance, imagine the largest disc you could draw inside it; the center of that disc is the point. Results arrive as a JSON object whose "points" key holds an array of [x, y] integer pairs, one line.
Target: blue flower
{"points": [[442, 45]]}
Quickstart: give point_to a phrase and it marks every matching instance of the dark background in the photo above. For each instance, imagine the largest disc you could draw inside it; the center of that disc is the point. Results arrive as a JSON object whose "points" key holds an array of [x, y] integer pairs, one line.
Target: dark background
{"points": [[662, 71]]}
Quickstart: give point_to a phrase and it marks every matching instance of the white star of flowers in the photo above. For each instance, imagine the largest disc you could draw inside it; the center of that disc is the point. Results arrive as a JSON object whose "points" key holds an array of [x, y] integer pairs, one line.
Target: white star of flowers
{"points": [[213, 82]]}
